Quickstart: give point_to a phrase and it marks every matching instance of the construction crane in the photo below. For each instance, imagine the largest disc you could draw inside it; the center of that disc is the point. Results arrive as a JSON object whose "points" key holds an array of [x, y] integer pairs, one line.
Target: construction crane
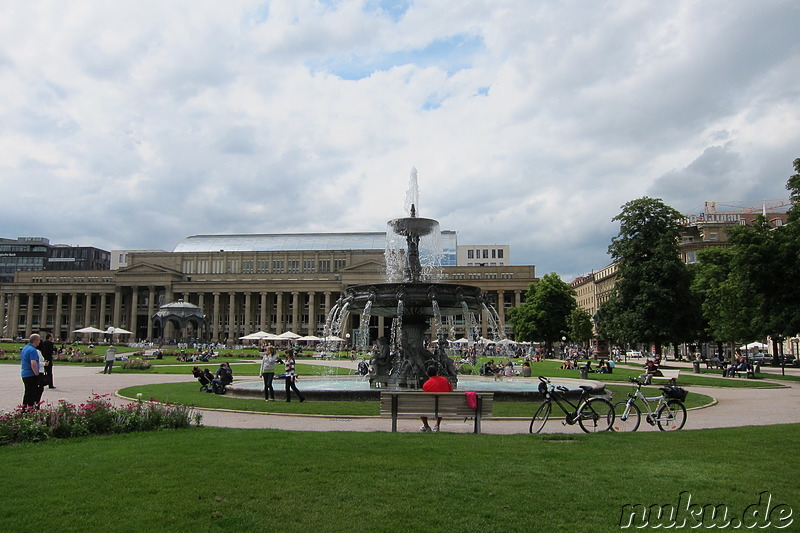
{"points": [[768, 205]]}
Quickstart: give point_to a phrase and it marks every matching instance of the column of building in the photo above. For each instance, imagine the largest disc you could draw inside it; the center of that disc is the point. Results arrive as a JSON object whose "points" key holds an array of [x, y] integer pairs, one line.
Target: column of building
{"points": [[151, 304]]}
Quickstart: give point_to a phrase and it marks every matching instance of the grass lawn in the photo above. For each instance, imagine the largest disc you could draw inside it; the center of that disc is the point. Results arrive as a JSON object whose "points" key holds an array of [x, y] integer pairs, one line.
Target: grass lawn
{"points": [[551, 368], [188, 394], [214, 479]]}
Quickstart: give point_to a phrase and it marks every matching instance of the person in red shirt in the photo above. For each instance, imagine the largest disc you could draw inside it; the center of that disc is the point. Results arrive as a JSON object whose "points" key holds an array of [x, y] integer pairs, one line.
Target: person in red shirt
{"points": [[435, 383]]}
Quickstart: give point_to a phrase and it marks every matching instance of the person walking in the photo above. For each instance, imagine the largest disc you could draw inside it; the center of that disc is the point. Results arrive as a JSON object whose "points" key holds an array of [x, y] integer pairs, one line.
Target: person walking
{"points": [[268, 372], [111, 355], [291, 377], [48, 348], [30, 370]]}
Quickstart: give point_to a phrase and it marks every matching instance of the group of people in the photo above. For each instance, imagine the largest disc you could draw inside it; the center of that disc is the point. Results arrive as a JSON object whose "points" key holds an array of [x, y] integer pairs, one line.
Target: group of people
{"points": [[215, 383], [267, 371]]}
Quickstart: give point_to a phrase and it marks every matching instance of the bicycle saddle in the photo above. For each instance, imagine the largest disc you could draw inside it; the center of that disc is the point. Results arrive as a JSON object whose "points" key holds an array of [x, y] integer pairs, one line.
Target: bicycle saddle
{"points": [[594, 389]]}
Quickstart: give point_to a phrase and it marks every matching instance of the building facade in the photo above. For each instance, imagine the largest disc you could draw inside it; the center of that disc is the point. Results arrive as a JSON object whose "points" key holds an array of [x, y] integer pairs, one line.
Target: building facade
{"points": [[243, 284], [484, 255], [33, 254]]}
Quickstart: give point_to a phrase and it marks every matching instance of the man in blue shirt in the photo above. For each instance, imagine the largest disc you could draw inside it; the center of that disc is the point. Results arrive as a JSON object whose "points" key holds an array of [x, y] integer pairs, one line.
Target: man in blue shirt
{"points": [[29, 369]]}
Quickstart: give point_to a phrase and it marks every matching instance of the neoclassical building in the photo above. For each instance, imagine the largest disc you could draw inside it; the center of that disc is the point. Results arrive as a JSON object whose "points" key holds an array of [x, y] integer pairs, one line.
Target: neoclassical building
{"points": [[242, 283]]}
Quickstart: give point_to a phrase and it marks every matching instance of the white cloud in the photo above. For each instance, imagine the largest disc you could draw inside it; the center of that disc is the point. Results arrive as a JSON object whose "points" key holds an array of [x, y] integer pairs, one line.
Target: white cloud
{"points": [[531, 123]]}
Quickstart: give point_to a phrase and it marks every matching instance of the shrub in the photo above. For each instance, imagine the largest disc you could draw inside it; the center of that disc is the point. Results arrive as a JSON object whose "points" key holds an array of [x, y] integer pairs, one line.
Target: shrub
{"points": [[97, 416], [467, 369], [136, 364]]}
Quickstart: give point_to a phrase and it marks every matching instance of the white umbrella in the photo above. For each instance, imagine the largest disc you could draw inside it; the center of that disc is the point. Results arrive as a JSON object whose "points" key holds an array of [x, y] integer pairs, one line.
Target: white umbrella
{"points": [[288, 335], [462, 340], [89, 329], [120, 331], [506, 341], [754, 345], [309, 338], [333, 338], [257, 336]]}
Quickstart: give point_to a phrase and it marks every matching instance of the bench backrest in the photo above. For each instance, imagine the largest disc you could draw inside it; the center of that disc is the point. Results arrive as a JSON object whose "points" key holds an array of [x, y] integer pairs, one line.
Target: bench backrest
{"points": [[434, 404]]}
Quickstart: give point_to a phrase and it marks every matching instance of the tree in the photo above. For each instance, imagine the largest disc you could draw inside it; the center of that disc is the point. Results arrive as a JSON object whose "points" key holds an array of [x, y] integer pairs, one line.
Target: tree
{"points": [[581, 328], [651, 299], [544, 316], [723, 296]]}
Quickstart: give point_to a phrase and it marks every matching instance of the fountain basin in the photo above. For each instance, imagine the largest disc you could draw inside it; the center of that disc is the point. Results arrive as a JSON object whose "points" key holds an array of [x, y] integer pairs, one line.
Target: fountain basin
{"points": [[417, 298], [357, 388]]}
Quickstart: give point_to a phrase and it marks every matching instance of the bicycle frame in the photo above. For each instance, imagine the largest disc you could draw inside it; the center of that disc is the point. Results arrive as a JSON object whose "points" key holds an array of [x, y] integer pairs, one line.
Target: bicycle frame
{"points": [[638, 395], [558, 397]]}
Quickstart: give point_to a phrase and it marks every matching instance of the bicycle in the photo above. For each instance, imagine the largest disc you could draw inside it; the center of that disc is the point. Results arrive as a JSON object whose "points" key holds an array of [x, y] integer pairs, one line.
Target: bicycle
{"points": [[592, 413], [669, 414]]}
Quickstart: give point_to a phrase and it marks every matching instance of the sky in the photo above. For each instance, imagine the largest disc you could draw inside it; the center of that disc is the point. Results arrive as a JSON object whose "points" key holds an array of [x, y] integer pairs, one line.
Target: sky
{"points": [[134, 124]]}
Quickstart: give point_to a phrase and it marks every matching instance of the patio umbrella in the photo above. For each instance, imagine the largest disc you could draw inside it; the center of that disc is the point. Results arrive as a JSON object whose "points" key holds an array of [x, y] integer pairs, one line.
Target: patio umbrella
{"points": [[120, 331], [754, 346], [89, 329], [257, 336], [309, 338], [333, 338], [288, 335], [462, 340]]}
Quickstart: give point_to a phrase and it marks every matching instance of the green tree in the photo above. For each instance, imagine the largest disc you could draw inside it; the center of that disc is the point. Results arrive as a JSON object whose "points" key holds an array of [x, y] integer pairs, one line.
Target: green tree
{"points": [[723, 296], [651, 301], [544, 316], [581, 328]]}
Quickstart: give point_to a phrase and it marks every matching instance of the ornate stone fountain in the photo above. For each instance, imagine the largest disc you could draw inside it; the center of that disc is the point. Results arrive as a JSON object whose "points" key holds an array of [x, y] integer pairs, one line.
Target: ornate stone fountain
{"points": [[402, 360]]}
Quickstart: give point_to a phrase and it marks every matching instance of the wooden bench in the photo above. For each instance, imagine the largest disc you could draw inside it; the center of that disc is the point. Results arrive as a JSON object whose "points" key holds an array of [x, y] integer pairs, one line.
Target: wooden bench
{"points": [[667, 375], [396, 404], [748, 373]]}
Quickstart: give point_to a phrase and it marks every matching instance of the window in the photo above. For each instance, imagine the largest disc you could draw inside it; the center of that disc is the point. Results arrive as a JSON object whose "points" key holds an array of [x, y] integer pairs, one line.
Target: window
{"points": [[713, 237], [262, 266], [691, 257], [500, 254], [294, 267], [339, 264], [247, 266], [486, 254], [469, 254], [325, 265], [494, 254], [277, 267], [308, 266]]}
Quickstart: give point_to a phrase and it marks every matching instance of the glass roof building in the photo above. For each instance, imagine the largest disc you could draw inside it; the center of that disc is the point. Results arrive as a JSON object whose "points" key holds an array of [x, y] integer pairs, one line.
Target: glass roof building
{"points": [[290, 242]]}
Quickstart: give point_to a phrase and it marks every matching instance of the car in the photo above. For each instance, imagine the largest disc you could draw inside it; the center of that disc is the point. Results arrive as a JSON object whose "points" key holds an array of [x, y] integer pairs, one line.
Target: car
{"points": [[760, 359]]}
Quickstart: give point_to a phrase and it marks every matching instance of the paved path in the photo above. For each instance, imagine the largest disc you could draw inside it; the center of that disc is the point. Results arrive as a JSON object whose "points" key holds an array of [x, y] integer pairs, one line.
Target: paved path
{"points": [[735, 407]]}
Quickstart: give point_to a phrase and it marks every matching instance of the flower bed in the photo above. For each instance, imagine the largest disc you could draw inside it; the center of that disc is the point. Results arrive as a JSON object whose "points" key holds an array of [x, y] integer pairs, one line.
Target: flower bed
{"points": [[97, 416]]}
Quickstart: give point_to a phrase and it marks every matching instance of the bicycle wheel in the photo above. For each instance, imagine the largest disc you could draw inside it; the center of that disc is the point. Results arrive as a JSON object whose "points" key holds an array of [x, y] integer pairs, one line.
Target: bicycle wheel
{"points": [[597, 414], [540, 417], [626, 419], [671, 416]]}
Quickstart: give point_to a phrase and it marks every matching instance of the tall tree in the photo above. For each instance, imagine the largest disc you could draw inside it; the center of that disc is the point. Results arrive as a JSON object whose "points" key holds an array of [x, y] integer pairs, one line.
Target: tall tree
{"points": [[651, 297], [581, 328], [544, 316]]}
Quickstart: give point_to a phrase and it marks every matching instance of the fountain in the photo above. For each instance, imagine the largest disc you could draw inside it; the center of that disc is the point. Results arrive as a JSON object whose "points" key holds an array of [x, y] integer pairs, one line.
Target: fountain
{"points": [[414, 293], [412, 296]]}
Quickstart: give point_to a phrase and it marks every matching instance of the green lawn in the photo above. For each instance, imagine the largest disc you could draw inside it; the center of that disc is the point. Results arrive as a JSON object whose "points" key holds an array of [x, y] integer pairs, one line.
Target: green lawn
{"points": [[213, 479]]}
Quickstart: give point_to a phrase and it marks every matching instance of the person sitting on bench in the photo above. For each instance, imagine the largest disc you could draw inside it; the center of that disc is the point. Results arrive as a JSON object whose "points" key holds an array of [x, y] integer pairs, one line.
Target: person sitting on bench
{"points": [[434, 383]]}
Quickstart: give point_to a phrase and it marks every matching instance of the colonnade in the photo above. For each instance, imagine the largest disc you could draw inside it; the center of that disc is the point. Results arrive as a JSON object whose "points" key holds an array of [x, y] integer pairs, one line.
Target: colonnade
{"points": [[230, 314]]}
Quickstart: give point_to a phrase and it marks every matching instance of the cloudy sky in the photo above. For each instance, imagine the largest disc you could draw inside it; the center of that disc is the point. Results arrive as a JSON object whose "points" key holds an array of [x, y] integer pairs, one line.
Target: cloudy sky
{"points": [[133, 124]]}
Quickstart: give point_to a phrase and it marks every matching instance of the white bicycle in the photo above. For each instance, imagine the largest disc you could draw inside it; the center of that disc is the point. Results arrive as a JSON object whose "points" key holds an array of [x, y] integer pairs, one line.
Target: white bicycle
{"points": [[669, 413]]}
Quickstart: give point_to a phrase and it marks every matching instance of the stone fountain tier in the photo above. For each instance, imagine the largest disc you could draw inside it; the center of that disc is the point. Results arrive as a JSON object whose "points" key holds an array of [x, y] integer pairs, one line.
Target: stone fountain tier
{"points": [[417, 298], [413, 226]]}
